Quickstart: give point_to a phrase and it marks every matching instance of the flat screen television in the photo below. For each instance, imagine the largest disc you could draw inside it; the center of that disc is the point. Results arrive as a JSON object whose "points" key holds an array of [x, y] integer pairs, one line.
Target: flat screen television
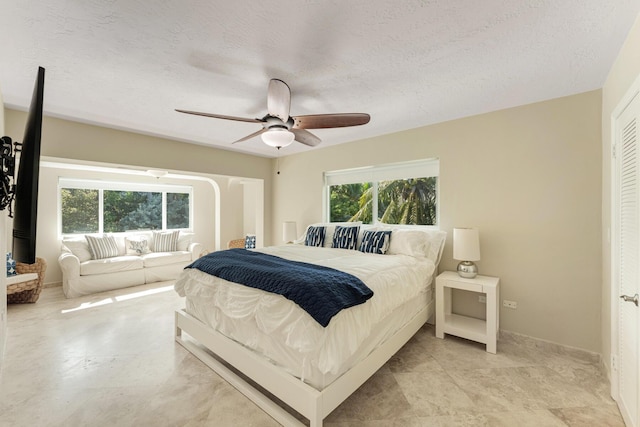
{"points": [[25, 210]]}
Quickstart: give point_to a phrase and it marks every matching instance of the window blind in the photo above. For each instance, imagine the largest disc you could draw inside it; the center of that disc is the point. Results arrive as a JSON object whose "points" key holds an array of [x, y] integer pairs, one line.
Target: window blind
{"points": [[405, 170]]}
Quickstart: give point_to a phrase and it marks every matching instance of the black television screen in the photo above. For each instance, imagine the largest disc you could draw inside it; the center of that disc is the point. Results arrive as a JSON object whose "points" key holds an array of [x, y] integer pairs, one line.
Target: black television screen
{"points": [[26, 196]]}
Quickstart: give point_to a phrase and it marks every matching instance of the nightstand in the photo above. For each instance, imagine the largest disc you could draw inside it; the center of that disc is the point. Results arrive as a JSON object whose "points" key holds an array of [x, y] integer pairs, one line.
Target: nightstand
{"points": [[484, 331]]}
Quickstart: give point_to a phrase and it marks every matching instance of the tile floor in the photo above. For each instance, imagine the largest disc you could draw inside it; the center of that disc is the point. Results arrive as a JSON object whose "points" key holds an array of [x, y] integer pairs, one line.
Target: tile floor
{"points": [[110, 360]]}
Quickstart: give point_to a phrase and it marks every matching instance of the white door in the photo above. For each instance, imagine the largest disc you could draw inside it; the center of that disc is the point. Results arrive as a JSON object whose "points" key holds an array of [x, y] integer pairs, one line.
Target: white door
{"points": [[626, 260]]}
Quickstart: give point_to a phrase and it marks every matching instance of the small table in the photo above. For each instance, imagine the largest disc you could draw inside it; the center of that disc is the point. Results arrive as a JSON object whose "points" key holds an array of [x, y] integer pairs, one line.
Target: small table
{"points": [[484, 331]]}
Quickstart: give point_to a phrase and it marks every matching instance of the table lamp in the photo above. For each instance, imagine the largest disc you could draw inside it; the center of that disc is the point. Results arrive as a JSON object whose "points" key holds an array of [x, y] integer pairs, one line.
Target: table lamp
{"points": [[466, 249], [289, 231]]}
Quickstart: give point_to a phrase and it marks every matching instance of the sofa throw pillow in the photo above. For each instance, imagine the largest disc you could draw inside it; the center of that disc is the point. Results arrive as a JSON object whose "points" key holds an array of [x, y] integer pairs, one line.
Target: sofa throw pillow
{"points": [[345, 237], [375, 242], [78, 247], [137, 245], [165, 241], [184, 240], [315, 236], [250, 241], [11, 265], [102, 246]]}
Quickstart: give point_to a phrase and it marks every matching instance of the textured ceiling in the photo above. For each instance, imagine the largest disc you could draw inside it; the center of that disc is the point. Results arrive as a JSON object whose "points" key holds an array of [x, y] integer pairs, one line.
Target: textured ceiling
{"points": [[127, 64]]}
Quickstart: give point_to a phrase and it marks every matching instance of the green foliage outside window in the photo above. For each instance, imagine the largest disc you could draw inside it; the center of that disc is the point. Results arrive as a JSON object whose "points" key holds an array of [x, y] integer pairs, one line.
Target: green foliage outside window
{"points": [[132, 210], [80, 210], [402, 201], [177, 210], [408, 201], [345, 201], [121, 210]]}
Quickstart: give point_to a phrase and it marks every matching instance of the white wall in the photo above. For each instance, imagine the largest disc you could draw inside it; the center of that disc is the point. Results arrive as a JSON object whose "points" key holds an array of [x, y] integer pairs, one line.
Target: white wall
{"points": [[528, 177], [624, 71]]}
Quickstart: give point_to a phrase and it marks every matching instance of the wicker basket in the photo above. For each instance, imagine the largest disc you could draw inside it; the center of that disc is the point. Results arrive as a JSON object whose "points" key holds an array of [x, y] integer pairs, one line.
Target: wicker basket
{"points": [[19, 293]]}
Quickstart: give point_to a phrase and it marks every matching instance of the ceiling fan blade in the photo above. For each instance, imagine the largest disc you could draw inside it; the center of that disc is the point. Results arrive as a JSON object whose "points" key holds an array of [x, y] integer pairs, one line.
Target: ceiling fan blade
{"points": [[306, 137], [324, 121], [251, 136], [220, 116], [279, 99]]}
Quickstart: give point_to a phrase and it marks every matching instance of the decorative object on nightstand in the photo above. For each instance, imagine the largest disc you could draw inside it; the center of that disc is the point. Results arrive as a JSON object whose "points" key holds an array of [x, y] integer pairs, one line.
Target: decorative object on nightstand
{"points": [[466, 249], [289, 231], [484, 331]]}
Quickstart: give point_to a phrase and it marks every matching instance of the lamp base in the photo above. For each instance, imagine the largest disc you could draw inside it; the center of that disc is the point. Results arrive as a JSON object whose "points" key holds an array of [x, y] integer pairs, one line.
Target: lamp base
{"points": [[467, 269]]}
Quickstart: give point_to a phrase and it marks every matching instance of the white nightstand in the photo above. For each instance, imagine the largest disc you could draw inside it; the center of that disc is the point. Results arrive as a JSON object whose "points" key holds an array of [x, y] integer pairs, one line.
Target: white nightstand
{"points": [[484, 331]]}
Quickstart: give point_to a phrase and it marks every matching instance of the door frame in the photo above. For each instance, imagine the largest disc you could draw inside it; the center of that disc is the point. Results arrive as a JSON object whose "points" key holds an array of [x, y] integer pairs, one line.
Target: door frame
{"points": [[632, 92]]}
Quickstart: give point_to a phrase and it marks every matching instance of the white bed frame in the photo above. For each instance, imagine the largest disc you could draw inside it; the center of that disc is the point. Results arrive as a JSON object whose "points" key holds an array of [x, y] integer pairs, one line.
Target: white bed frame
{"points": [[312, 404]]}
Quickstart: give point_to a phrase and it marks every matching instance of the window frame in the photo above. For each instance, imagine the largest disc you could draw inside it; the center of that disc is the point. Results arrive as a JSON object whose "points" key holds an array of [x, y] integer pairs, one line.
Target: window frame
{"points": [[423, 168], [101, 186]]}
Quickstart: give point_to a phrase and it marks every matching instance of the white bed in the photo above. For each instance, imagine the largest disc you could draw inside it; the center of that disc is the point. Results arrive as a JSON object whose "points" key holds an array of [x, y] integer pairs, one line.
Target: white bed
{"points": [[279, 346]]}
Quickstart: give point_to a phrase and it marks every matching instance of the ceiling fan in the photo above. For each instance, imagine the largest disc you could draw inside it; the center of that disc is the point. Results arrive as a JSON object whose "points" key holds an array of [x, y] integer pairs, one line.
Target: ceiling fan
{"points": [[279, 129]]}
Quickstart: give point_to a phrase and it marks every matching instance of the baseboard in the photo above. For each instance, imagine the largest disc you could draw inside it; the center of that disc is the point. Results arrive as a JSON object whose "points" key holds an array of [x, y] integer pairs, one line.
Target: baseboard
{"points": [[550, 346], [51, 285]]}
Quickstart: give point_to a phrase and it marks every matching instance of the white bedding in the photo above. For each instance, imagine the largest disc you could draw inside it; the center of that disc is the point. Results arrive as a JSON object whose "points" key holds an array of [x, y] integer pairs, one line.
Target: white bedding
{"points": [[277, 328]]}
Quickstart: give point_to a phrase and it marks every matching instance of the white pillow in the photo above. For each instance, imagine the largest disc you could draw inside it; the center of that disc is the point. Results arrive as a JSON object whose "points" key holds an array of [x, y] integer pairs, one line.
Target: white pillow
{"points": [[184, 240], [79, 248], [409, 242], [136, 245]]}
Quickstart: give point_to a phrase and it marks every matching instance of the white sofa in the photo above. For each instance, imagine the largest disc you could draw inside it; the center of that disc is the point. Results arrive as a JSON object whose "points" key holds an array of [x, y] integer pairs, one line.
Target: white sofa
{"points": [[83, 275]]}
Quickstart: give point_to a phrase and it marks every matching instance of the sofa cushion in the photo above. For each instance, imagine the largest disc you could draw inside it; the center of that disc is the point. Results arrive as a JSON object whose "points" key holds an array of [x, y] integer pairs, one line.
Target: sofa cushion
{"points": [[79, 248], [110, 265], [165, 241], [184, 240], [136, 245], [104, 246], [155, 259]]}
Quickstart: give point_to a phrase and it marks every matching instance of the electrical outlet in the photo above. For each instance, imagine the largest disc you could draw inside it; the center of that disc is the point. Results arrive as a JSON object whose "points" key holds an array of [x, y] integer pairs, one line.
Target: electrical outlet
{"points": [[482, 299], [510, 304]]}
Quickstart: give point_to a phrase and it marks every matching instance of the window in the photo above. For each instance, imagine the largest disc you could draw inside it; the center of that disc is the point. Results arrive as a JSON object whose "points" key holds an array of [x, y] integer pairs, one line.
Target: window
{"points": [[97, 207], [79, 210], [131, 210], [345, 201], [403, 193]]}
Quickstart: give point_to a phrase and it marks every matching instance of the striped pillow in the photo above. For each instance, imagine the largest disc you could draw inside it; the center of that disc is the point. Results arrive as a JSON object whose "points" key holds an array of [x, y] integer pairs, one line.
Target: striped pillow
{"points": [[315, 236], [102, 246], [375, 242], [345, 237], [165, 241]]}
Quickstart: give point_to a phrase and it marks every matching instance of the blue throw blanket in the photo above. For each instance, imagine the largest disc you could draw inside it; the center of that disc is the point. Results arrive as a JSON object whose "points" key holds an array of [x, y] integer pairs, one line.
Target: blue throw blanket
{"points": [[320, 291]]}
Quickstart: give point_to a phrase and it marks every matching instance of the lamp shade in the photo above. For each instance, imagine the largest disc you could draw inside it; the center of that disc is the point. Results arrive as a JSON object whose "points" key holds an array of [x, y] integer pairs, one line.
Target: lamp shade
{"points": [[466, 244], [289, 231], [278, 137]]}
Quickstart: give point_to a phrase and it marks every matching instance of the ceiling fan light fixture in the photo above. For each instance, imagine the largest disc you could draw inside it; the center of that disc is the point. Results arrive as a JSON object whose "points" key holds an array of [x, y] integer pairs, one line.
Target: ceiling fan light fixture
{"points": [[278, 137]]}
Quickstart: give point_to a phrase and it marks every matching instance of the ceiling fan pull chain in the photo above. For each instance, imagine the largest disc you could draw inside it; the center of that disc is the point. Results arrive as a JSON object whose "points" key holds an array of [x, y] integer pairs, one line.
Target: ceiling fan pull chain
{"points": [[278, 161]]}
